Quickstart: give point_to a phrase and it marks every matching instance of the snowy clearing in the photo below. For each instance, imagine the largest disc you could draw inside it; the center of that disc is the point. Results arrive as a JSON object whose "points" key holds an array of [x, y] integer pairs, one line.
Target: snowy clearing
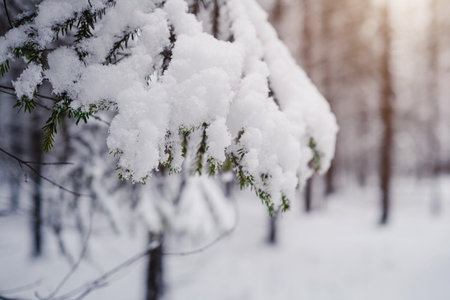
{"points": [[336, 252]]}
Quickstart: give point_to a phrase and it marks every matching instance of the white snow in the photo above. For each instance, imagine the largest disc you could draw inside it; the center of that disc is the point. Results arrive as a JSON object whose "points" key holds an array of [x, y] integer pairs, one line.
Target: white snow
{"points": [[64, 70], [337, 252], [28, 81], [211, 85]]}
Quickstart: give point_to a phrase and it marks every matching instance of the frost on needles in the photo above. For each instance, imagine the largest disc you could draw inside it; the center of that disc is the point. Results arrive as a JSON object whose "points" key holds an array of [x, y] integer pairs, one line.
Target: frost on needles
{"points": [[213, 90]]}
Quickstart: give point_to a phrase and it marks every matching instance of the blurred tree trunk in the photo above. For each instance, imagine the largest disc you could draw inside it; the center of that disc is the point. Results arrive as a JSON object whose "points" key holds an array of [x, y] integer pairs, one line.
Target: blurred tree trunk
{"points": [[387, 113], [272, 238], [433, 95], [306, 55], [363, 132], [307, 37], [16, 147], [328, 9], [155, 283], [308, 196], [276, 15], [36, 212]]}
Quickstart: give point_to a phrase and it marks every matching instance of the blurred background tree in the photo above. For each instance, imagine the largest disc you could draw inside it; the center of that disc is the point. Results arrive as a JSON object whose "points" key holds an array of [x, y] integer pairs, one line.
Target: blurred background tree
{"points": [[382, 78]]}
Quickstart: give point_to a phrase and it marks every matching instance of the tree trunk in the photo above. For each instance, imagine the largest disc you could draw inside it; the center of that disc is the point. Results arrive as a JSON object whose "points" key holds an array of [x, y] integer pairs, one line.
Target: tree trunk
{"points": [[306, 37], [363, 131], [272, 238], [276, 13], [276, 17], [155, 284], [308, 195], [36, 212], [306, 54], [16, 147], [433, 95], [329, 179], [387, 97], [328, 9]]}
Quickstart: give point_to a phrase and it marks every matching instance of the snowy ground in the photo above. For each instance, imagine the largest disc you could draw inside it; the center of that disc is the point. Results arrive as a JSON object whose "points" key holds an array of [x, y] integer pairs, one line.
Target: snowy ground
{"points": [[337, 252]]}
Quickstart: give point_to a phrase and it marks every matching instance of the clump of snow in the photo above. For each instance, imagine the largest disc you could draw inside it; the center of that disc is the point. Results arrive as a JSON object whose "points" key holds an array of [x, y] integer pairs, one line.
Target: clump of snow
{"points": [[28, 81], [173, 83], [297, 95], [218, 139], [53, 12], [64, 70]]}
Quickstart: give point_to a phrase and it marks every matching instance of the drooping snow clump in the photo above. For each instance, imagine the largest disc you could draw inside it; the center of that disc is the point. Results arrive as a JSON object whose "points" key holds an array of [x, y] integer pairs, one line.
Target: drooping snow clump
{"points": [[219, 93]]}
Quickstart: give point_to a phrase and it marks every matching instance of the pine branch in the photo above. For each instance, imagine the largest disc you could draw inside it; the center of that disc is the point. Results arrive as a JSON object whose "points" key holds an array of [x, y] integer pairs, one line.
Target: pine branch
{"points": [[315, 163], [4, 67], [84, 22], [36, 94], [25, 103], [54, 100], [121, 44], [201, 150], [25, 18], [61, 110], [31, 51], [167, 52]]}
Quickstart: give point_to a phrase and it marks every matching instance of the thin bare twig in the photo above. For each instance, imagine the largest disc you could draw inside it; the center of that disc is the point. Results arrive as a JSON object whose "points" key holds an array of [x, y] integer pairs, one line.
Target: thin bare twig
{"points": [[39, 95], [29, 166], [77, 263], [102, 281], [22, 288], [7, 14], [37, 103], [56, 163], [7, 298], [205, 247]]}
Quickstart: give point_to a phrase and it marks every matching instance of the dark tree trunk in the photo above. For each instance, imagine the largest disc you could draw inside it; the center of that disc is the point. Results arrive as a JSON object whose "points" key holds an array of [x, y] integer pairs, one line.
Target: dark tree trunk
{"points": [[329, 179], [276, 13], [307, 35], [433, 95], [229, 188], [306, 54], [328, 9], [272, 238], [14, 182], [308, 195], [155, 283], [36, 212], [216, 19], [387, 113], [276, 16], [363, 131]]}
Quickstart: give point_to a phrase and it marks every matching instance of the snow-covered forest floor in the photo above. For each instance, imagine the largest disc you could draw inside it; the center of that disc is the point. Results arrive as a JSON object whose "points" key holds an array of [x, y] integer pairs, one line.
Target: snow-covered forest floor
{"points": [[336, 252]]}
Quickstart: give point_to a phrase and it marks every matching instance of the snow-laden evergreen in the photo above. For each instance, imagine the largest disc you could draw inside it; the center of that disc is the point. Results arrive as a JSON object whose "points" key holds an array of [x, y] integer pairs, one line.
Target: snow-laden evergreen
{"points": [[218, 94]]}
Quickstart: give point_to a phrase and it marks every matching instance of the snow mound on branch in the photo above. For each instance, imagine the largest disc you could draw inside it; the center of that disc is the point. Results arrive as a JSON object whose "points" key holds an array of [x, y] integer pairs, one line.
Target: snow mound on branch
{"points": [[183, 94], [28, 81]]}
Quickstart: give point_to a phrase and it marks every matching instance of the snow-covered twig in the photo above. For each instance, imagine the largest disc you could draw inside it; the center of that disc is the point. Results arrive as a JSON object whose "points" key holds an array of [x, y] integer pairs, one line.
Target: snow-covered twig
{"points": [[47, 98]]}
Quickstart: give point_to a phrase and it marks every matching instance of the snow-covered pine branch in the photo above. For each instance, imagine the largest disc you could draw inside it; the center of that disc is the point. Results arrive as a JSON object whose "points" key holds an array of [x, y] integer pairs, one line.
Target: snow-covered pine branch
{"points": [[216, 89]]}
